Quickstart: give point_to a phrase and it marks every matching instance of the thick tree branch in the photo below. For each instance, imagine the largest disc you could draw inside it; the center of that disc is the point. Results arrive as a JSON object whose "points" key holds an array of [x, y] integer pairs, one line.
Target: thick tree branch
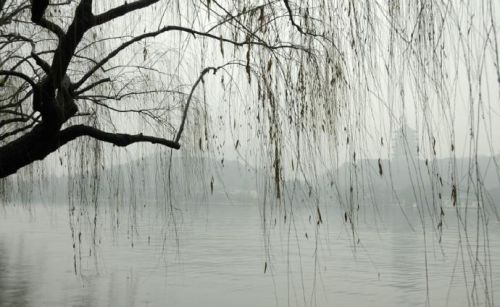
{"points": [[38, 8], [31, 146], [54, 28], [118, 139], [40, 142], [122, 10], [82, 21]]}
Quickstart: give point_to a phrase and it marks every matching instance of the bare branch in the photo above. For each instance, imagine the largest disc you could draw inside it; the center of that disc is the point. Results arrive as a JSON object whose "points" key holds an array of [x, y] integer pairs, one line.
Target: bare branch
{"points": [[7, 18], [20, 129], [19, 102], [289, 9], [119, 96], [17, 74], [91, 86], [188, 102], [44, 65], [179, 29], [14, 120]]}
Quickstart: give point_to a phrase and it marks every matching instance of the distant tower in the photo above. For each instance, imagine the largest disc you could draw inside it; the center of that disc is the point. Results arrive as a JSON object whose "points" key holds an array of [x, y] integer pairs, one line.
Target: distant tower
{"points": [[404, 144], [404, 162]]}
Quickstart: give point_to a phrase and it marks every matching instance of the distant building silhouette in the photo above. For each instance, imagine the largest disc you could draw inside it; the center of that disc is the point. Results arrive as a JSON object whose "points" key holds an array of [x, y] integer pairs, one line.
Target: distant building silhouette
{"points": [[404, 144], [404, 162]]}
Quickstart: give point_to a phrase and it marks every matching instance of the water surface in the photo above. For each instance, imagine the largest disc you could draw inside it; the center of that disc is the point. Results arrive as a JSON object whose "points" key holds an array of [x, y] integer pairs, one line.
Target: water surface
{"points": [[216, 255]]}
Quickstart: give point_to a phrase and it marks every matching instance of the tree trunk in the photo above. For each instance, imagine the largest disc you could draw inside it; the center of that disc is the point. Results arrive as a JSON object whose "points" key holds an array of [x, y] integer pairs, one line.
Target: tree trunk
{"points": [[32, 146]]}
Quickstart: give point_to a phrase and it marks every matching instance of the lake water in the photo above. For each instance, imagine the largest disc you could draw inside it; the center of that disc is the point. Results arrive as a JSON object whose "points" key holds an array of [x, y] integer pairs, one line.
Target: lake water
{"points": [[218, 255]]}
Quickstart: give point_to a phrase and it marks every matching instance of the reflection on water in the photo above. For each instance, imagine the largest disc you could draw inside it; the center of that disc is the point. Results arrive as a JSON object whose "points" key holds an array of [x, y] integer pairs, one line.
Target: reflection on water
{"points": [[218, 256]]}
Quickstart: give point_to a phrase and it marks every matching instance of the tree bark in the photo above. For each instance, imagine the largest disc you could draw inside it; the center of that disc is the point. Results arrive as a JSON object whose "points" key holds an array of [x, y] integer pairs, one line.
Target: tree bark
{"points": [[42, 141], [32, 146]]}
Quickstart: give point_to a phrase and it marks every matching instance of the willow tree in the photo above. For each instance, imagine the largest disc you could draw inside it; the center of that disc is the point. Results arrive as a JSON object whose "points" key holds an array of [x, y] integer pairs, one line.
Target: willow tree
{"points": [[308, 83], [298, 87], [61, 78]]}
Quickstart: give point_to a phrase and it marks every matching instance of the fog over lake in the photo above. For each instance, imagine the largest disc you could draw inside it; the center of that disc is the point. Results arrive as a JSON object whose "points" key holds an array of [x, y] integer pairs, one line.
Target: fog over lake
{"points": [[217, 258]]}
